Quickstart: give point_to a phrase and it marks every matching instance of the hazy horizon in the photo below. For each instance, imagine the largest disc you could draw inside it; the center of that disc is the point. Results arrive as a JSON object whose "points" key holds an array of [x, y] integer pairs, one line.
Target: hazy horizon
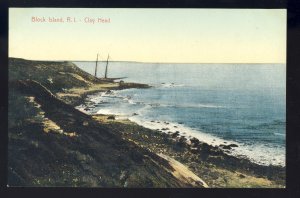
{"points": [[146, 62]]}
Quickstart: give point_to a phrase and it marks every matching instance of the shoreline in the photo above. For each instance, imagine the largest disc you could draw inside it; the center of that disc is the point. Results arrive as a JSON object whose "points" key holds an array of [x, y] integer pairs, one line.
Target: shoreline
{"points": [[229, 147], [190, 153], [242, 167], [72, 129], [76, 96], [51, 133]]}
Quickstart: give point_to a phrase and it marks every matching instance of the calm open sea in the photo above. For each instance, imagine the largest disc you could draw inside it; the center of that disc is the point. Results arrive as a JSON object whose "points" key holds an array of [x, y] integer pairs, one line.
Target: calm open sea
{"points": [[244, 104]]}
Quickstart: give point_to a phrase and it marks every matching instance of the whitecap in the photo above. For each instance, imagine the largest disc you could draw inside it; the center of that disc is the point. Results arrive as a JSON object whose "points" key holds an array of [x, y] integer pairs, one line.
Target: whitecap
{"points": [[279, 134], [257, 153]]}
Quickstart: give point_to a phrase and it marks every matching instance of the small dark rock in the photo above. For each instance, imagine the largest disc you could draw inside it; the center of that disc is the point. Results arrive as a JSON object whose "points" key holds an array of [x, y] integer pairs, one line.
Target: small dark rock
{"points": [[175, 134], [205, 147], [226, 147], [181, 141], [111, 117], [242, 176], [108, 92], [194, 150], [199, 183], [194, 141]]}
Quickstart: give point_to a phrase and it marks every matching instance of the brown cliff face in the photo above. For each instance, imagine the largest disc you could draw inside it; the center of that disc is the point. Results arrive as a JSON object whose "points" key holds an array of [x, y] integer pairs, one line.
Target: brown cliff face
{"points": [[53, 144]]}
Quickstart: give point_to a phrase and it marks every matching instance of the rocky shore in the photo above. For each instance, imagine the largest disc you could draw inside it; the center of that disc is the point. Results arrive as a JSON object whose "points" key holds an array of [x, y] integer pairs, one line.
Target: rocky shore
{"points": [[53, 144], [214, 165]]}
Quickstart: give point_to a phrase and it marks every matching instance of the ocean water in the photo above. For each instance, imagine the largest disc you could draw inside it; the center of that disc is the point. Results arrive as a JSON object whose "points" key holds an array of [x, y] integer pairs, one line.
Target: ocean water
{"points": [[244, 104]]}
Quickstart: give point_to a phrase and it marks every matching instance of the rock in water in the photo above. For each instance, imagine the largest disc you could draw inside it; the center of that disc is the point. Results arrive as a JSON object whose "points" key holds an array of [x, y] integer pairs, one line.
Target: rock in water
{"points": [[228, 147], [233, 145], [108, 92]]}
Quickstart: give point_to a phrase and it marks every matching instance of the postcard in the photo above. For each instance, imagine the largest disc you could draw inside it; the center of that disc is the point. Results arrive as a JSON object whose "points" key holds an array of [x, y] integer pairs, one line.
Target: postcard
{"points": [[147, 98]]}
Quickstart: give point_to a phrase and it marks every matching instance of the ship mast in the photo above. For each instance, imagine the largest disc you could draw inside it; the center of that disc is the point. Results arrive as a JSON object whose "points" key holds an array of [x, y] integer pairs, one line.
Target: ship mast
{"points": [[106, 66], [96, 66]]}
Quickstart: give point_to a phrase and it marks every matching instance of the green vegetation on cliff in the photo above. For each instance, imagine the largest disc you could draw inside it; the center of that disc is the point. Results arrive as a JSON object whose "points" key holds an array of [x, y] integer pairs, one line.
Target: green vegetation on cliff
{"points": [[53, 144]]}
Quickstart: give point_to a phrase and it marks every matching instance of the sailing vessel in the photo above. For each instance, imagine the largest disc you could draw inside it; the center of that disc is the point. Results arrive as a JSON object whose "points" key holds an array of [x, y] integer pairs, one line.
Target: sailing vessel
{"points": [[106, 69], [105, 76], [96, 66]]}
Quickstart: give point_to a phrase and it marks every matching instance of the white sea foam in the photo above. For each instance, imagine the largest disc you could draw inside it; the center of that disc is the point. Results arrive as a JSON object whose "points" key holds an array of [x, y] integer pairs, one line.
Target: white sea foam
{"points": [[279, 134], [169, 85], [257, 153], [198, 106], [183, 130], [129, 100], [111, 112], [81, 108]]}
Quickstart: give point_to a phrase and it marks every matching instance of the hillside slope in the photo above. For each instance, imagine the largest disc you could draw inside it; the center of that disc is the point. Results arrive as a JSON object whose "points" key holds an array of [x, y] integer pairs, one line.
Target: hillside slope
{"points": [[54, 75], [53, 144]]}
